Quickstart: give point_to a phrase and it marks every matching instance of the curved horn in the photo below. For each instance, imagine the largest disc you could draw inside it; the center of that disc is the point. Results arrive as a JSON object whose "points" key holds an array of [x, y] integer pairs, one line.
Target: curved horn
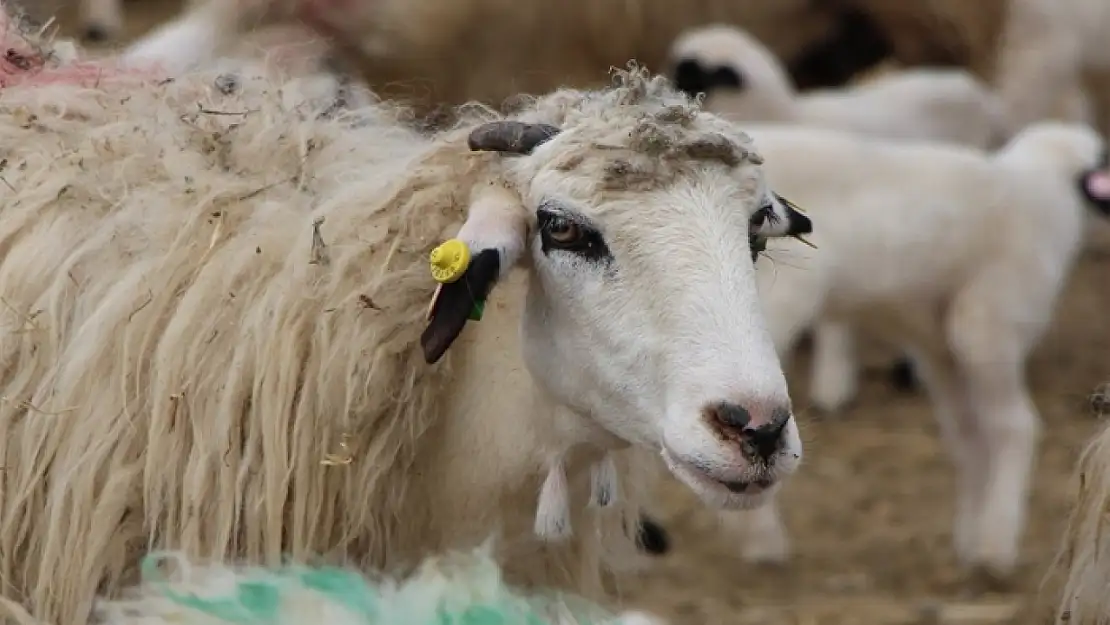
{"points": [[512, 137]]}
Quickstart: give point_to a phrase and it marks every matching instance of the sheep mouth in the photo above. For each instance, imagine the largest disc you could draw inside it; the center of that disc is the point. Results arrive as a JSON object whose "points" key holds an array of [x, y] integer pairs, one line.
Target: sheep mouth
{"points": [[748, 488], [743, 494]]}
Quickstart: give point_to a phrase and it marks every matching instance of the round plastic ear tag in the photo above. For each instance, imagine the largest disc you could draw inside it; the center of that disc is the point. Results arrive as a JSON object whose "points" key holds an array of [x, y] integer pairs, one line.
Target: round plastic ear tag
{"points": [[449, 261]]}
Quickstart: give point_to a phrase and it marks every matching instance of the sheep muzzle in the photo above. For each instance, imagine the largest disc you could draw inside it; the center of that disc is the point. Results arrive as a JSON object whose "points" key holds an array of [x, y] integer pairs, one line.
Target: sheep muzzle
{"points": [[511, 137]]}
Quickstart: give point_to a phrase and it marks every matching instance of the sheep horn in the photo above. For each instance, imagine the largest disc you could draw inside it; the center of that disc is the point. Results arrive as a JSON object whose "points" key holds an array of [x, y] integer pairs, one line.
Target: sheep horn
{"points": [[512, 137]]}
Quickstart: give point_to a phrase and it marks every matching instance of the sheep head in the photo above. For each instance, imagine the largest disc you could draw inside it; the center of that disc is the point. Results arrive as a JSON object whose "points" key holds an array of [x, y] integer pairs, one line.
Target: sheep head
{"points": [[639, 218]]}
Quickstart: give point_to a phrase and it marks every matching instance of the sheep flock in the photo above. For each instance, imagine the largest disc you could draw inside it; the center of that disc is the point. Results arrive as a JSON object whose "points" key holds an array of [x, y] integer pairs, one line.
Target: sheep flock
{"points": [[404, 312]]}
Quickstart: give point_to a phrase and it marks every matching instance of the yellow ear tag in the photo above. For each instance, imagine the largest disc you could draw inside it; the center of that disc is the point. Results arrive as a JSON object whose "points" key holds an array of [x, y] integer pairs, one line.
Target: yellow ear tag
{"points": [[448, 262]]}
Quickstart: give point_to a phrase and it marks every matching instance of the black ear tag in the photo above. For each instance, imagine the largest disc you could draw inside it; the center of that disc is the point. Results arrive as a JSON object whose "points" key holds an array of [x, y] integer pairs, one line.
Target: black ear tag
{"points": [[456, 302]]}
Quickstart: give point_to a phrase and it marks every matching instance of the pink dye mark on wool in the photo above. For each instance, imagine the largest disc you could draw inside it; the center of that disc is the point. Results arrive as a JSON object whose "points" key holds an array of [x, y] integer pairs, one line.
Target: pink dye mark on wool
{"points": [[25, 62], [32, 71]]}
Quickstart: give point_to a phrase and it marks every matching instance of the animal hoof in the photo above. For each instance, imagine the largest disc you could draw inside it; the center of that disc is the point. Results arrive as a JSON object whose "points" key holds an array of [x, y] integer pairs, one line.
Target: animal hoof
{"points": [[902, 375], [651, 537]]}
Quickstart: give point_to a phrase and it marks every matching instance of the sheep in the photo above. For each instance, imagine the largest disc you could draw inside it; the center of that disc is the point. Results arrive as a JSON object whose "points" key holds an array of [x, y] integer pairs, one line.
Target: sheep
{"points": [[410, 49], [744, 81], [215, 297], [1083, 553], [956, 255]]}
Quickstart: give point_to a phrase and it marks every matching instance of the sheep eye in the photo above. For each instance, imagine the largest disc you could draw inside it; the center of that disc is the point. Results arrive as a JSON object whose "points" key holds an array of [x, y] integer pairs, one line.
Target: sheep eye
{"points": [[559, 232], [563, 232]]}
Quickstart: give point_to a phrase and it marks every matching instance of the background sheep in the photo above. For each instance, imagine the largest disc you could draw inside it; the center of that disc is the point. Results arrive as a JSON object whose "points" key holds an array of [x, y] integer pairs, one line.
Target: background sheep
{"points": [[400, 45], [240, 284], [1010, 226], [744, 81]]}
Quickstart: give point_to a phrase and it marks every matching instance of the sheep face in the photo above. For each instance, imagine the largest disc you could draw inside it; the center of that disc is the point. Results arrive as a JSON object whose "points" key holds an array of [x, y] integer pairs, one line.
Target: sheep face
{"points": [[642, 310], [739, 76]]}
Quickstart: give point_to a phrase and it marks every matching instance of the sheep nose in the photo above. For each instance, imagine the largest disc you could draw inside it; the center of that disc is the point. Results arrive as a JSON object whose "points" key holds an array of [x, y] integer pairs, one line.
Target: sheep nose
{"points": [[759, 441]]}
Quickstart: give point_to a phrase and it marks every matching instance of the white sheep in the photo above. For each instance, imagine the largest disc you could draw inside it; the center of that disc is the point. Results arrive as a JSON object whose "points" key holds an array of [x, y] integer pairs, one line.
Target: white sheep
{"points": [[214, 296], [745, 82], [956, 255]]}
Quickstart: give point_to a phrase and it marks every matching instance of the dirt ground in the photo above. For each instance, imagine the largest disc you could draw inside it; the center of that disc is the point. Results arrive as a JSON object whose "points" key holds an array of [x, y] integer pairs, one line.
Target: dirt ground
{"points": [[869, 514]]}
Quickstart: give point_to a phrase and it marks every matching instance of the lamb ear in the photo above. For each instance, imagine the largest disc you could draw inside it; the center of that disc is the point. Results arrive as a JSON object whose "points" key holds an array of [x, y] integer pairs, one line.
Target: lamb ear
{"points": [[495, 232]]}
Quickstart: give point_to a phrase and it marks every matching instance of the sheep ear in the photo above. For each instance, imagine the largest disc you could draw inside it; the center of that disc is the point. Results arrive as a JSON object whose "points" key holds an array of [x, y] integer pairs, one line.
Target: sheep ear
{"points": [[792, 221], [457, 301], [495, 234]]}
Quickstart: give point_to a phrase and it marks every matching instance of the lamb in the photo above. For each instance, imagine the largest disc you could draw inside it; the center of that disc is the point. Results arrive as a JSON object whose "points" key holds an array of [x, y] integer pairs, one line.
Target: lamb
{"points": [[745, 82], [902, 250], [215, 294]]}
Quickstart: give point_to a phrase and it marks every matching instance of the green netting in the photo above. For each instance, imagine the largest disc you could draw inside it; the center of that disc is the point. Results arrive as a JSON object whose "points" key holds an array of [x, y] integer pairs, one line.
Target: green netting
{"points": [[470, 595]]}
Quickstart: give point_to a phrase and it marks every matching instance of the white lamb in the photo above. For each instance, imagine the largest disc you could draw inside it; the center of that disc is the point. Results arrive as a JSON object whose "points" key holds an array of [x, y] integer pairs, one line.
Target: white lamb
{"points": [[745, 82], [956, 255]]}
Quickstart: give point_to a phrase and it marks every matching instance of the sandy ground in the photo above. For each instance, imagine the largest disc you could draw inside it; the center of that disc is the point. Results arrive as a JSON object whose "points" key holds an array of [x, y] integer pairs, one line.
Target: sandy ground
{"points": [[869, 515]]}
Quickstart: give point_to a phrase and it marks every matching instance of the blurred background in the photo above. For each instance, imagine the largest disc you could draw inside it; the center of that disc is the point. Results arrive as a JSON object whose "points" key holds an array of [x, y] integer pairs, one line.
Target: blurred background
{"points": [[869, 515]]}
